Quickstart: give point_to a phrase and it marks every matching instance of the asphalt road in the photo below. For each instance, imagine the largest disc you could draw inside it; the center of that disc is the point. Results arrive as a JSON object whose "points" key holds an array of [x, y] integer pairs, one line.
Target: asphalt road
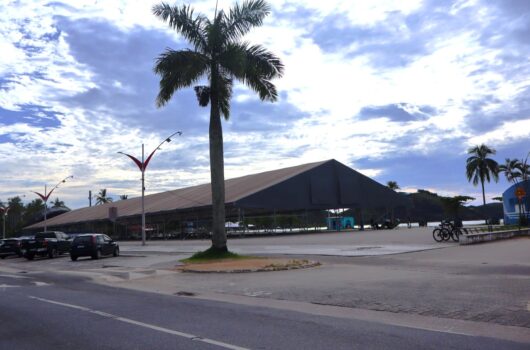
{"points": [[47, 311]]}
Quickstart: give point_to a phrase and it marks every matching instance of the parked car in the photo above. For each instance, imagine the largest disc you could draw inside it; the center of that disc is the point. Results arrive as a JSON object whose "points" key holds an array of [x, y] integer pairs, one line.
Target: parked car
{"points": [[94, 245], [10, 246], [22, 240], [51, 244]]}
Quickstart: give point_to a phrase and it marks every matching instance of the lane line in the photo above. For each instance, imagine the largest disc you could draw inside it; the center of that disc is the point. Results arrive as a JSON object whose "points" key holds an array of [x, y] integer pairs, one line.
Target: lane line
{"points": [[142, 324]]}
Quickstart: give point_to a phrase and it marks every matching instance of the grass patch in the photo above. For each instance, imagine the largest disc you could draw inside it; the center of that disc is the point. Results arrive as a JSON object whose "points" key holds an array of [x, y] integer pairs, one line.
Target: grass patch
{"points": [[211, 254]]}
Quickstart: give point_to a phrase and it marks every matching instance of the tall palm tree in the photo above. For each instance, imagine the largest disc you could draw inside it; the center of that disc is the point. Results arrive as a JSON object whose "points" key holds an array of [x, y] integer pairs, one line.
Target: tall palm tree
{"points": [[480, 168], [220, 56], [393, 185], [511, 169], [101, 197]]}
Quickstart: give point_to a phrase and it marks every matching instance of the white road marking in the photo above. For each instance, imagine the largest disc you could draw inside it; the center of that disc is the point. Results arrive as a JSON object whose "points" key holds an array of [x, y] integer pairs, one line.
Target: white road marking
{"points": [[13, 276], [142, 324], [7, 286], [41, 284]]}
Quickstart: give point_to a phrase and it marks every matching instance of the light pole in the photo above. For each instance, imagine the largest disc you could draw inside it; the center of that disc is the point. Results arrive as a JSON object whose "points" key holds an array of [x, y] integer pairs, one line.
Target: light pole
{"points": [[142, 165], [47, 195], [4, 214]]}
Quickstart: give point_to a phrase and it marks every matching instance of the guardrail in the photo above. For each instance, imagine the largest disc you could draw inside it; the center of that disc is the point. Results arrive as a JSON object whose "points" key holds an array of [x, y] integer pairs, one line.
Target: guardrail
{"points": [[474, 235]]}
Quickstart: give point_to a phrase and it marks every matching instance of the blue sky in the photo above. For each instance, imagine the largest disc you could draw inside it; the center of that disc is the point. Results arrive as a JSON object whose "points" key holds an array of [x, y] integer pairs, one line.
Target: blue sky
{"points": [[398, 90]]}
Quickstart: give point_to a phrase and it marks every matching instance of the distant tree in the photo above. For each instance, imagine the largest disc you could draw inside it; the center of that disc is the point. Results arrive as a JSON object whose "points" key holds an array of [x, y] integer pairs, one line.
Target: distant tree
{"points": [[32, 210], [452, 205], [499, 199], [393, 185], [101, 197], [220, 56], [524, 168], [123, 197], [57, 203], [512, 169], [14, 220], [480, 168]]}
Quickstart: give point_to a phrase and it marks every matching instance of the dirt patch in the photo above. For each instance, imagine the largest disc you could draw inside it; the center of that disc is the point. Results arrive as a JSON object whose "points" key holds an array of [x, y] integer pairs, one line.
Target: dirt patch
{"points": [[248, 265]]}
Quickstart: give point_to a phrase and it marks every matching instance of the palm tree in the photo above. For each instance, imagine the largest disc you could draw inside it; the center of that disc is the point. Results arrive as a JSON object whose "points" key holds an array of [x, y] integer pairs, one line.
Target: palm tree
{"points": [[524, 168], [123, 197], [512, 169], [57, 203], [220, 56], [101, 197], [480, 168], [393, 185]]}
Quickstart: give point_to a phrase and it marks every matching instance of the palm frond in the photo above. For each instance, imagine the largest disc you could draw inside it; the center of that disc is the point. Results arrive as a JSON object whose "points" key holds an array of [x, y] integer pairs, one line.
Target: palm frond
{"points": [[183, 21], [178, 69], [242, 18], [254, 66], [242, 59]]}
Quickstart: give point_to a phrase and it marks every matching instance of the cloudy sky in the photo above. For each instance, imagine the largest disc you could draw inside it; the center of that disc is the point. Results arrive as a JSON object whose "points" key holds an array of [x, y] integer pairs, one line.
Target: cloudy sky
{"points": [[398, 90]]}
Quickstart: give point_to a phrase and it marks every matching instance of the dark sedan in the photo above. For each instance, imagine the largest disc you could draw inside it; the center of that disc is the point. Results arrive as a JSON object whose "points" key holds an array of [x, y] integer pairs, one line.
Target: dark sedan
{"points": [[94, 245], [10, 246]]}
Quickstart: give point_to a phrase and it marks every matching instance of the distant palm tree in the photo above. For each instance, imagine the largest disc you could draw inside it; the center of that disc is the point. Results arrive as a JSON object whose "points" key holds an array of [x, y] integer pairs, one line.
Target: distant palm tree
{"points": [[101, 197], [524, 168], [393, 185], [219, 55], [480, 168], [512, 169], [57, 203], [123, 197]]}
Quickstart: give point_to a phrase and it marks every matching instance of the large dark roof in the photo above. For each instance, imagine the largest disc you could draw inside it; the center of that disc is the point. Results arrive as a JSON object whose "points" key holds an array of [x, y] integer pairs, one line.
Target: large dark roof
{"points": [[321, 185]]}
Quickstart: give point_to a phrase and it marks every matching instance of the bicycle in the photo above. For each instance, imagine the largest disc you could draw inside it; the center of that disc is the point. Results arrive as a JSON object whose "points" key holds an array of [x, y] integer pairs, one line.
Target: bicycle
{"points": [[440, 234], [454, 232]]}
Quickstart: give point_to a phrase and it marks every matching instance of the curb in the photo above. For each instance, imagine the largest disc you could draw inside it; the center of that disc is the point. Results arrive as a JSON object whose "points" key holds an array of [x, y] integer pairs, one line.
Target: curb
{"points": [[263, 269]]}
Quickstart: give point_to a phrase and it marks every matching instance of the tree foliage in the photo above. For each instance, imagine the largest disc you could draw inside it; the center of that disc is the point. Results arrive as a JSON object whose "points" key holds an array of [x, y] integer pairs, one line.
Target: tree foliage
{"points": [[393, 185], [480, 168], [102, 198]]}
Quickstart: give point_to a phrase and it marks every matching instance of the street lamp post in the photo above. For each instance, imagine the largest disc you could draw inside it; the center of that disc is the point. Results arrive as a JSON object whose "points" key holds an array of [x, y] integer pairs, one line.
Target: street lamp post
{"points": [[4, 214], [47, 195], [142, 165]]}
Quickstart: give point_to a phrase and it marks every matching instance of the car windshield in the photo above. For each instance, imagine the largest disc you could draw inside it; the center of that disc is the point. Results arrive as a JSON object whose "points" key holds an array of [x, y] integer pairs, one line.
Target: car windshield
{"points": [[45, 235], [83, 239]]}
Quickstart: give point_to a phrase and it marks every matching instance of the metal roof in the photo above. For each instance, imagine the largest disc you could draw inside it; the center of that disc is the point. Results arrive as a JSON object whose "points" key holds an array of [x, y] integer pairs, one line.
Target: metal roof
{"points": [[180, 199]]}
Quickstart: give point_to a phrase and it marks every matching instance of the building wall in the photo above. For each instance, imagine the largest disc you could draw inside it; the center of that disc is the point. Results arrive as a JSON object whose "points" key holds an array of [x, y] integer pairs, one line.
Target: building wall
{"points": [[510, 202]]}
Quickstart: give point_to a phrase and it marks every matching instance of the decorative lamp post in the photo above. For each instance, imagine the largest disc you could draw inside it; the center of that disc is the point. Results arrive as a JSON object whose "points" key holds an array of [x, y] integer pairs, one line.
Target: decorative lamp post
{"points": [[47, 195], [142, 165]]}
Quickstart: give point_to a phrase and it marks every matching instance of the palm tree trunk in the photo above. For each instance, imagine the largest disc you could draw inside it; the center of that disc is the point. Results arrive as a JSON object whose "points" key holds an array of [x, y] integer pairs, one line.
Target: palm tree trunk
{"points": [[217, 176], [484, 202]]}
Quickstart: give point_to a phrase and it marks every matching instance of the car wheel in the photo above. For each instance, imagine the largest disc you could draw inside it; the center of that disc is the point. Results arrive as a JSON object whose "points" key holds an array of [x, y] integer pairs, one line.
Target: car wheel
{"points": [[30, 256], [3, 256], [116, 252], [97, 255], [53, 253], [73, 257]]}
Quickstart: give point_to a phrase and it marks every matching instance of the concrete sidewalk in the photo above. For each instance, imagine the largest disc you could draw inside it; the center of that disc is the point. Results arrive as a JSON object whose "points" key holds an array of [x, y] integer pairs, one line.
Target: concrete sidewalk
{"points": [[345, 243]]}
